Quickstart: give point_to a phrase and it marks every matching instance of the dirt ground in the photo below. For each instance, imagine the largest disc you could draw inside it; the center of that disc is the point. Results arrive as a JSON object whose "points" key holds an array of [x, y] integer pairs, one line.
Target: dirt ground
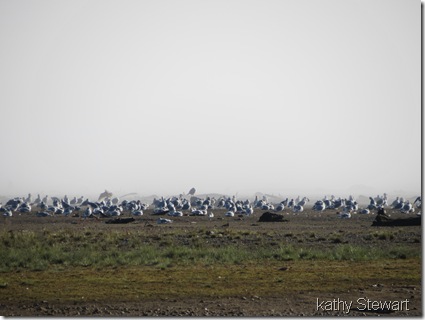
{"points": [[309, 229]]}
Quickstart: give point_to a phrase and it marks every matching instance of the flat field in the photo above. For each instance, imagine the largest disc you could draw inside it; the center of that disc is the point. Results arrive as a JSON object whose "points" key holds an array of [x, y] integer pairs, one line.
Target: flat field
{"points": [[313, 264]]}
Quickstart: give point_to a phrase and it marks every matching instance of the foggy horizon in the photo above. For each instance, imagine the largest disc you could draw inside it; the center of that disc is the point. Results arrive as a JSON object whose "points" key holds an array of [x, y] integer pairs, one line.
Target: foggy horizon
{"points": [[156, 97]]}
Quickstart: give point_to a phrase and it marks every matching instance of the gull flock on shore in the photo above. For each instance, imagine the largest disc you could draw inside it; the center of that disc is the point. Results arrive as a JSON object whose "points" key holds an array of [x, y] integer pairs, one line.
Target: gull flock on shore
{"points": [[108, 206]]}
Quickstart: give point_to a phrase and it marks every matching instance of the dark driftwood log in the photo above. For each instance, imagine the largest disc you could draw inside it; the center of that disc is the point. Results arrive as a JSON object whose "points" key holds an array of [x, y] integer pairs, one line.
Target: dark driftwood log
{"points": [[388, 222], [120, 220], [271, 217]]}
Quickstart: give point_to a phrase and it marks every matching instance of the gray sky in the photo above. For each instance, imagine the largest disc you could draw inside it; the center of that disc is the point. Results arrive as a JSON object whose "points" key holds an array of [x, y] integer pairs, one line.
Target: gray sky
{"points": [[227, 96]]}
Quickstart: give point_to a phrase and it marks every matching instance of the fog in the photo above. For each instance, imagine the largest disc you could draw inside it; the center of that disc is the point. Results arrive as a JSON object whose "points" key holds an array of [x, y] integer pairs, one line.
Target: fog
{"points": [[234, 96]]}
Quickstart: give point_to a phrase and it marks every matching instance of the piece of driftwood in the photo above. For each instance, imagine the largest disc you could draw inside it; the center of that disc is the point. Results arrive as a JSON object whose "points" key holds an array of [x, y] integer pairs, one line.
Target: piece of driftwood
{"points": [[120, 220], [388, 222], [271, 217]]}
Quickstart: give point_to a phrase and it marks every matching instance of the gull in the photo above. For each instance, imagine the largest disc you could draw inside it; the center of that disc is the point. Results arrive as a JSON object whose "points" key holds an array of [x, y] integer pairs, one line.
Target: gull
{"points": [[87, 212], [198, 212], [28, 199], [399, 205], [38, 200], [7, 212], [279, 207], [98, 211], [249, 210], [175, 213], [42, 205], [45, 199], [163, 221], [303, 201], [345, 215], [381, 201], [25, 208], [291, 203], [338, 203], [186, 206], [137, 213], [407, 208], [319, 206], [395, 202], [418, 202], [220, 203], [43, 214], [364, 211], [298, 208], [68, 211], [229, 214], [105, 194]]}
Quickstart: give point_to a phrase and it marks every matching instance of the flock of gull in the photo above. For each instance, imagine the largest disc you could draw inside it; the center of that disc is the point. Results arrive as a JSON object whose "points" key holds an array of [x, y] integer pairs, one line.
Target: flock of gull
{"points": [[177, 206]]}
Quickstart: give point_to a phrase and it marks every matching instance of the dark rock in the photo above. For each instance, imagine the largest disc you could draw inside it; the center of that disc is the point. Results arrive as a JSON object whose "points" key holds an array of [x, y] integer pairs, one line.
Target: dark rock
{"points": [[271, 217]]}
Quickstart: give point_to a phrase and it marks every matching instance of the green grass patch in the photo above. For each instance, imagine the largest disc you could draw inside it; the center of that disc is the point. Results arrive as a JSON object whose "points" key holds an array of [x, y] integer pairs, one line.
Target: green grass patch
{"points": [[197, 280], [24, 250]]}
